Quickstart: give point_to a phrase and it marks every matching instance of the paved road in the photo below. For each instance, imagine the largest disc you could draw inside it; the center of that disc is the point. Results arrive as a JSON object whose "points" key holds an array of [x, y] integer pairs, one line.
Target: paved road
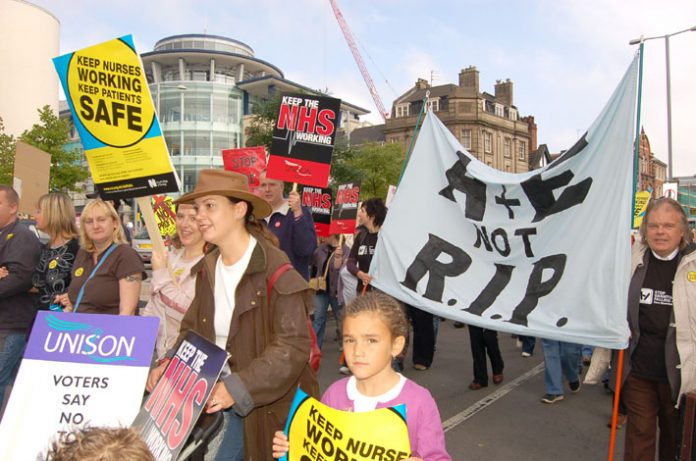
{"points": [[505, 422]]}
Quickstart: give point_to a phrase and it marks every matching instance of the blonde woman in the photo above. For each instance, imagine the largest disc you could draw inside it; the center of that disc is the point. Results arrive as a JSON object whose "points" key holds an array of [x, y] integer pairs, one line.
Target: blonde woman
{"points": [[171, 291], [55, 215], [107, 272]]}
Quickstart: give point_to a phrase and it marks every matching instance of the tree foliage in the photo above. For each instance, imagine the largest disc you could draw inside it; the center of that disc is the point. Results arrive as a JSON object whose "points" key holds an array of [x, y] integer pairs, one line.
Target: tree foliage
{"points": [[7, 154], [51, 135], [375, 165], [260, 130]]}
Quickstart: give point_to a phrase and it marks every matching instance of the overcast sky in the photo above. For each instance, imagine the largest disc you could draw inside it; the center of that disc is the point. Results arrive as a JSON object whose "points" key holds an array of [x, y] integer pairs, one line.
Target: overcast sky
{"points": [[565, 57]]}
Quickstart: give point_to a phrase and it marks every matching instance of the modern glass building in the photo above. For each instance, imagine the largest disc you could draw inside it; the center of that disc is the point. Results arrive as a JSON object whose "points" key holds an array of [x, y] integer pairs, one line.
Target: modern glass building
{"points": [[203, 86]]}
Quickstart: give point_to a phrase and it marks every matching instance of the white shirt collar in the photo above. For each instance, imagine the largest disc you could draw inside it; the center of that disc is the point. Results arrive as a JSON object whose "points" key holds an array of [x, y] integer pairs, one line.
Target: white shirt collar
{"points": [[282, 209], [366, 403], [670, 257]]}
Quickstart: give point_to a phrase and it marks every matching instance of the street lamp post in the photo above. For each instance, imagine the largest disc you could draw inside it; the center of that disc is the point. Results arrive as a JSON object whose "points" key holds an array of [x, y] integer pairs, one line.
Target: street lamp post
{"points": [[637, 41]]}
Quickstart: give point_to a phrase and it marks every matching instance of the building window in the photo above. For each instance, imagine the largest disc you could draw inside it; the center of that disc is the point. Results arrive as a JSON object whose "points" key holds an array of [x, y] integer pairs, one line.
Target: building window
{"points": [[487, 142], [522, 150], [513, 114], [402, 110], [499, 110], [466, 138], [507, 147], [434, 105]]}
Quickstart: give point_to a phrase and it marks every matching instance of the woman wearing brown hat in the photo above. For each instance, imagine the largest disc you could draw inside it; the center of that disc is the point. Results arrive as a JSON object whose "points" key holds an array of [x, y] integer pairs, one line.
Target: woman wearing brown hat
{"points": [[268, 339]]}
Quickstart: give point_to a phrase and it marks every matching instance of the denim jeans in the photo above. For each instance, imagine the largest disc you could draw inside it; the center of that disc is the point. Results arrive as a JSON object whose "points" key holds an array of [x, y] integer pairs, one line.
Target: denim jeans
{"points": [[321, 306], [230, 439], [11, 350], [560, 359], [528, 343]]}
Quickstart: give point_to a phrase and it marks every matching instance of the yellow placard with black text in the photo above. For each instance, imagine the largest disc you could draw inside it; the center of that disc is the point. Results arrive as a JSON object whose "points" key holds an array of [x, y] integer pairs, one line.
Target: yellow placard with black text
{"points": [[318, 432], [165, 214], [642, 199], [110, 100]]}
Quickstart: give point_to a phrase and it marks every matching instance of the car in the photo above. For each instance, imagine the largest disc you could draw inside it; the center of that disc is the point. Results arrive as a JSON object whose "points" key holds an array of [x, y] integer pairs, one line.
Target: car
{"points": [[31, 225], [143, 245]]}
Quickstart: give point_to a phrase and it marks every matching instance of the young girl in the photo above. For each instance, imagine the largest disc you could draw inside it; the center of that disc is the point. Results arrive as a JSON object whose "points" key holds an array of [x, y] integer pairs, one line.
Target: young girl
{"points": [[374, 332]]}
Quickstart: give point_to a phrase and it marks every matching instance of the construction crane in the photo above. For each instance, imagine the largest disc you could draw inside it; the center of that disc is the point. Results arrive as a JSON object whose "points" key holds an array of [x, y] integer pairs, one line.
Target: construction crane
{"points": [[358, 59]]}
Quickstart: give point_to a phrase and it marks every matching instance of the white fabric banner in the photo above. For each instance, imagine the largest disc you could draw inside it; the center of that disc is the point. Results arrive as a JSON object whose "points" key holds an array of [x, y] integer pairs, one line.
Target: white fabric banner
{"points": [[544, 253]]}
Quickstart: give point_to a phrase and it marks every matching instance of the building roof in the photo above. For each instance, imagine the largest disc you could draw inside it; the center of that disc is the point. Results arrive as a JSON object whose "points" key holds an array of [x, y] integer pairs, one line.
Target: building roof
{"points": [[374, 133], [192, 54], [537, 157], [419, 94], [202, 36]]}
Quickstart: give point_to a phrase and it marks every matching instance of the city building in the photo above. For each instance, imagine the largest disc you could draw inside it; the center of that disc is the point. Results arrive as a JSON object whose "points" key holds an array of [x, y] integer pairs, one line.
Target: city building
{"points": [[204, 88], [30, 37], [652, 172], [488, 126], [687, 197]]}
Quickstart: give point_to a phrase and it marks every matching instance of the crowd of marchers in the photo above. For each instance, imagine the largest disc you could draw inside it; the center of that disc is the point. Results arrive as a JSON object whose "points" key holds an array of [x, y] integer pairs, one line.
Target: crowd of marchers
{"points": [[239, 271]]}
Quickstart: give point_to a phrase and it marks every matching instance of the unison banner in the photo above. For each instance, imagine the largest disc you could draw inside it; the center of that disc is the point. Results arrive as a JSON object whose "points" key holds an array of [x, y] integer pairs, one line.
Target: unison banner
{"points": [[544, 253], [318, 432], [112, 108], [78, 369]]}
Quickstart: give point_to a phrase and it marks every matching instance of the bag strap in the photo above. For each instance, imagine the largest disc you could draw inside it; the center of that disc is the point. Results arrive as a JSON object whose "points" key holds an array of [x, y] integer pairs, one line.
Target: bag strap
{"points": [[111, 248], [328, 263], [280, 270]]}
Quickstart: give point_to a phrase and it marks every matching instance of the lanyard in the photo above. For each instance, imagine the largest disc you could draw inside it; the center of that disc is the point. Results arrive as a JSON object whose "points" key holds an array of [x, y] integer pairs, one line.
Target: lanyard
{"points": [[111, 248]]}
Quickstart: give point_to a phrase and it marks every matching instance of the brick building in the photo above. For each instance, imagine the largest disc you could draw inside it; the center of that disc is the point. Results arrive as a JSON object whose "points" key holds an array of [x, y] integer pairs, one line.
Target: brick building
{"points": [[488, 126], [652, 172]]}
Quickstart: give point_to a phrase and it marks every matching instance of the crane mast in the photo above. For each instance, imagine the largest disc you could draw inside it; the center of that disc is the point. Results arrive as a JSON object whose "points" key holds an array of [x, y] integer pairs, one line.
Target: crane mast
{"points": [[358, 59]]}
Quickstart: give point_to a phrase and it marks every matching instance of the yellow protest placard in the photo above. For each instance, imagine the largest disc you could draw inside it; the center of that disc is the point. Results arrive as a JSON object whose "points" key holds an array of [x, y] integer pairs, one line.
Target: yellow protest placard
{"points": [[165, 214], [110, 100], [642, 199], [318, 432]]}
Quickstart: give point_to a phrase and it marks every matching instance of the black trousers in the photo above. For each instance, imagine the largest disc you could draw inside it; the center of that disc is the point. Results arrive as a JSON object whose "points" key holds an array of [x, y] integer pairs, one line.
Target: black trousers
{"points": [[482, 342], [423, 336]]}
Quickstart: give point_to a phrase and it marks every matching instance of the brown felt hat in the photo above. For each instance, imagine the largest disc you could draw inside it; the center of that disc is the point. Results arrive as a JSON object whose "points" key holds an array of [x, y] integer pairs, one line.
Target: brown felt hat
{"points": [[227, 184]]}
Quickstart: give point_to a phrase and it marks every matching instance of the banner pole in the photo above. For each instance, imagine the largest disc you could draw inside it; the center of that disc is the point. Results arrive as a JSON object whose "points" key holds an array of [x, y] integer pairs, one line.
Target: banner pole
{"points": [[615, 412], [413, 136], [636, 152], [636, 144]]}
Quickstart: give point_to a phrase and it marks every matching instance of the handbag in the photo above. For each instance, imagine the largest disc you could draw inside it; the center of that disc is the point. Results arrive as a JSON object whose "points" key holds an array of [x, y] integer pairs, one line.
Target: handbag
{"points": [[319, 283], [315, 351]]}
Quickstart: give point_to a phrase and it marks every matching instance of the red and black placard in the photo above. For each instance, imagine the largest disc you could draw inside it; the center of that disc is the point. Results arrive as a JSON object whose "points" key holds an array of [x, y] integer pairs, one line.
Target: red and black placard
{"points": [[172, 409], [303, 139], [318, 199], [249, 161], [345, 210]]}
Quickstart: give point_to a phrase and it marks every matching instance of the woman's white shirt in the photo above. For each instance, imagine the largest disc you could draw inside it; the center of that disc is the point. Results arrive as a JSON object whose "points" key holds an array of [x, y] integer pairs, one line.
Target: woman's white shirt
{"points": [[226, 280]]}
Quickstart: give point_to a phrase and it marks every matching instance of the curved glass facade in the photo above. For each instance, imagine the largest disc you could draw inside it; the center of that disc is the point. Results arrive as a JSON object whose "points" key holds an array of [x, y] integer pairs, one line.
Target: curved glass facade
{"points": [[193, 85]]}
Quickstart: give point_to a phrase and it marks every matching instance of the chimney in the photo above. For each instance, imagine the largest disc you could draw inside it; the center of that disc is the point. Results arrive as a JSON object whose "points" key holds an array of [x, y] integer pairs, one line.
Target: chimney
{"points": [[469, 81], [422, 84], [529, 119], [503, 92]]}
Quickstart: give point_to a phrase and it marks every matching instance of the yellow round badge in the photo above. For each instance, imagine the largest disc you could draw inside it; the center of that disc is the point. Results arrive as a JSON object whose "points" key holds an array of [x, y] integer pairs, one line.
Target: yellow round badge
{"points": [[110, 94], [691, 276], [79, 271], [53, 264]]}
